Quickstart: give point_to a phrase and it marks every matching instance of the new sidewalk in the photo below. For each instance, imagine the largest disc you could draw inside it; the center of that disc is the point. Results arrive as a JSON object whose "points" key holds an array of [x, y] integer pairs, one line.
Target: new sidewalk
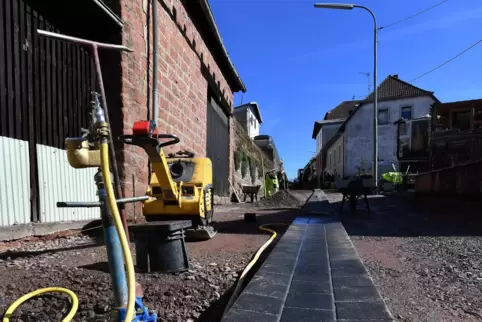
{"points": [[313, 274]]}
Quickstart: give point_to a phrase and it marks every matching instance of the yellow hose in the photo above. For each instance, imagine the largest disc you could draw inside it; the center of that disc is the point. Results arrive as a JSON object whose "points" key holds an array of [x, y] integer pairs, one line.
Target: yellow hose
{"points": [[131, 278], [126, 251], [26, 297], [240, 283]]}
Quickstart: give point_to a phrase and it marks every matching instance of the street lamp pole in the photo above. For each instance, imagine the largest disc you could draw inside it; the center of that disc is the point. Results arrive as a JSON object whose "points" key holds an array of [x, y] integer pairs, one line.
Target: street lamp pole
{"points": [[375, 96]]}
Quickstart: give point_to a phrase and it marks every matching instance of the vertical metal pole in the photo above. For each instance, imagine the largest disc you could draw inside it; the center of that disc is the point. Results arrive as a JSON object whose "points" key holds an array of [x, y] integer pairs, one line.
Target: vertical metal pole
{"points": [[375, 105], [117, 183], [113, 246], [155, 63]]}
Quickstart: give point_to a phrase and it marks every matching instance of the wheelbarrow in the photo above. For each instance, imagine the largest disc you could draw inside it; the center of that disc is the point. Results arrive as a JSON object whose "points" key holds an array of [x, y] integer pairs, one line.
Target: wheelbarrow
{"points": [[252, 191], [353, 189]]}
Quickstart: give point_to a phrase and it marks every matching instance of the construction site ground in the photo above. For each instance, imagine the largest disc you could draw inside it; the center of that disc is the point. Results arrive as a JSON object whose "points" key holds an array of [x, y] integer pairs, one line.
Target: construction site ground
{"points": [[79, 262], [423, 254]]}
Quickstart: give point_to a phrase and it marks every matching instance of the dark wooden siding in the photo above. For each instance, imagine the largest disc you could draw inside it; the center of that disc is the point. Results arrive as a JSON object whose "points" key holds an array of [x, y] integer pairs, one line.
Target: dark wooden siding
{"points": [[452, 149], [45, 84], [217, 147]]}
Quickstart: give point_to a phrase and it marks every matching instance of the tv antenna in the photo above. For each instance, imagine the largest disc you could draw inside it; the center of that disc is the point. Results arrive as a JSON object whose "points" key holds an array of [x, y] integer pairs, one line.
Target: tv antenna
{"points": [[368, 78]]}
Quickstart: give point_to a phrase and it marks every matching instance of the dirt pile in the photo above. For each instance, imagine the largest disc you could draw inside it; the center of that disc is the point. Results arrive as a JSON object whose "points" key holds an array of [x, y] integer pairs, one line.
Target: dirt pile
{"points": [[281, 199]]}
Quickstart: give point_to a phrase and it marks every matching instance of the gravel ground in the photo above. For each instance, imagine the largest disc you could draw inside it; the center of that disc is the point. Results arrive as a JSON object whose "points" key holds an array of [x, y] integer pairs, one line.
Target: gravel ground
{"points": [[79, 263], [424, 254]]}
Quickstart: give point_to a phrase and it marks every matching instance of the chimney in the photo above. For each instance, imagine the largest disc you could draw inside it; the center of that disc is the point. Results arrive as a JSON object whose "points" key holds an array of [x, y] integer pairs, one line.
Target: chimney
{"points": [[395, 76]]}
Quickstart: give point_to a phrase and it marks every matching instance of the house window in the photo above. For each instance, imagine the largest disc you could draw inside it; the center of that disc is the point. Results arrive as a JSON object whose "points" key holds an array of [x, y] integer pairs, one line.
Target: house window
{"points": [[461, 120], [383, 116], [334, 156], [339, 153], [406, 112]]}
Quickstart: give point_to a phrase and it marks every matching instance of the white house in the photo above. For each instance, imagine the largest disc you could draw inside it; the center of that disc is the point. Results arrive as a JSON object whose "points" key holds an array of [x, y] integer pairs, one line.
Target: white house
{"points": [[325, 129], [396, 99], [249, 116]]}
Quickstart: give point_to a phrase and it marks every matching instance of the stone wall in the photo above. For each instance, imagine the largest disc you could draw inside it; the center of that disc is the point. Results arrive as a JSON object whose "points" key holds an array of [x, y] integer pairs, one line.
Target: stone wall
{"points": [[247, 162]]}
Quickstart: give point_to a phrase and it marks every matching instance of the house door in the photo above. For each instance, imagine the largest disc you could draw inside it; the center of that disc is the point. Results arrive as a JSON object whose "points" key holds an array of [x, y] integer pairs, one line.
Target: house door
{"points": [[217, 146]]}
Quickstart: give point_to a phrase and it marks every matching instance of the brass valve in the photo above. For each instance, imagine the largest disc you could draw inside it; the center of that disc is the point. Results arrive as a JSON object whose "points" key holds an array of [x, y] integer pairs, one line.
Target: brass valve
{"points": [[79, 154]]}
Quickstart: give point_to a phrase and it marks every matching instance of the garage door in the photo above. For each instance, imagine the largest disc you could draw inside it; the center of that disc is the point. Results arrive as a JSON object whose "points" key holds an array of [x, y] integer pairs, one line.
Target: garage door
{"points": [[217, 146]]}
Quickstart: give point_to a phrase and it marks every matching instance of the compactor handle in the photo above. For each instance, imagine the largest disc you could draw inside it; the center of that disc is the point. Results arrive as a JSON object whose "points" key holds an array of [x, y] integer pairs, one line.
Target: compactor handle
{"points": [[185, 153], [148, 140], [174, 139]]}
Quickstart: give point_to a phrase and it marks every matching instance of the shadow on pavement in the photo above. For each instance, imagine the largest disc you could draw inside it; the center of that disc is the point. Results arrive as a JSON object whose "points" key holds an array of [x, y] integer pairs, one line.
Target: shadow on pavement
{"points": [[406, 215]]}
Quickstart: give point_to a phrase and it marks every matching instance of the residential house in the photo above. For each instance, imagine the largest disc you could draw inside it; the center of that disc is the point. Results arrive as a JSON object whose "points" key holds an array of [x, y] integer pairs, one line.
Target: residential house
{"points": [[335, 155], [324, 130], [396, 99], [249, 116], [196, 81]]}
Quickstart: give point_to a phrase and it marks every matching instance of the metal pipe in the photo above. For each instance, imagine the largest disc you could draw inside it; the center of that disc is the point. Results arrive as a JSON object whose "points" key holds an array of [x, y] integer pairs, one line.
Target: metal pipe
{"points": [[82, 41], [113, 158], [94, 45], [66, 204], [155, 63], [110, 13], [113, 246]]}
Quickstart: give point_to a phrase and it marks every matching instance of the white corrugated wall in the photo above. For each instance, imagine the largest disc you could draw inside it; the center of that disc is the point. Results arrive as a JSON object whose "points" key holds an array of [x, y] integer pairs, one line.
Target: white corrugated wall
{"points": [[58, 181], [14, 182]]}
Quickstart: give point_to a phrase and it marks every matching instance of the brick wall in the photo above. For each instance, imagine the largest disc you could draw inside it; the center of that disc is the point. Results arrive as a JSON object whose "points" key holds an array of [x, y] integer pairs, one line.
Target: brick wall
{"points": [[182, 87]]}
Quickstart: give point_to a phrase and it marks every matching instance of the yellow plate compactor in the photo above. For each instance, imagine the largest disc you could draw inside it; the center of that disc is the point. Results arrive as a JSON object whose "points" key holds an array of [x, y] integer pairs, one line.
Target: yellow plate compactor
{"points": [[180, 187]]}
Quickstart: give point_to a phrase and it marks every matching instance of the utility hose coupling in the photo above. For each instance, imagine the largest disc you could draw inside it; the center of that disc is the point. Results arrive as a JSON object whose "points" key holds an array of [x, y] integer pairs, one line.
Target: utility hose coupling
{"points": [[98, 115], [97, 110]]}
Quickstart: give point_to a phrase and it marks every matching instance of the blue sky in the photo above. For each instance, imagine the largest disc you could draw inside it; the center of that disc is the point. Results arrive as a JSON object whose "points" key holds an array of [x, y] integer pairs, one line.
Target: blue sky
{"points": [[298, 62]]}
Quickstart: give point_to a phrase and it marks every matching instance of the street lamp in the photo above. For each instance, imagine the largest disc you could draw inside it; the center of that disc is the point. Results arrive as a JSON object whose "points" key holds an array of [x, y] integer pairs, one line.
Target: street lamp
{"points": [[375, 98]]}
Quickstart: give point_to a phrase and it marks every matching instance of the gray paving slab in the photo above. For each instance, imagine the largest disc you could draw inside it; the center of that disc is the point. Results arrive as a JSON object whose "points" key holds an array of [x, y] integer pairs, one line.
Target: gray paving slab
{"points": [[313, 274]]}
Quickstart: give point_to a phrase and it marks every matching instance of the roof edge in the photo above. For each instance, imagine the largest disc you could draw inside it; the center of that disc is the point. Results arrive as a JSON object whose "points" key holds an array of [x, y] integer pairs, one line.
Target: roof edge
{"points": [[316, 130], [206, 8], [257, 112]]}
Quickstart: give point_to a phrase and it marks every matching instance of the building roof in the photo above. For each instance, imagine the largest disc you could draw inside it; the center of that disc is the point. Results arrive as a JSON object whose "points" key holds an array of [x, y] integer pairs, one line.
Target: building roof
{"points": [[255, 107], [202, 10], [336, 115], [393, 87], [342, 111], [319, 125]]}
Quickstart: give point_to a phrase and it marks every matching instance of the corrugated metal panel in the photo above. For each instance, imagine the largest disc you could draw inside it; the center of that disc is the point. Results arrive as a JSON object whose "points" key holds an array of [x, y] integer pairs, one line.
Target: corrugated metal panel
{"points": [[58, 181], [14, 182]]}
